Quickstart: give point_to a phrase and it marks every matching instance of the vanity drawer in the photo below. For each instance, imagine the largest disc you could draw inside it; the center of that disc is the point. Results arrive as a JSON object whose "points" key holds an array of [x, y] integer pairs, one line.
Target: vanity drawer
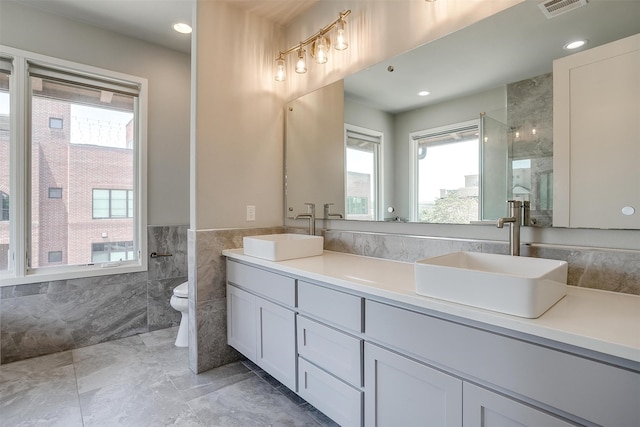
{"points": [[335, 307], [334, 351], [338, 400], [271, 285]]}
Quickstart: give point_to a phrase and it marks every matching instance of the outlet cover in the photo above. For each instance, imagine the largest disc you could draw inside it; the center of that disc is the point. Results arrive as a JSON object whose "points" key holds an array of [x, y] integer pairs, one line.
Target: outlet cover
{"points": [[251, 213]]}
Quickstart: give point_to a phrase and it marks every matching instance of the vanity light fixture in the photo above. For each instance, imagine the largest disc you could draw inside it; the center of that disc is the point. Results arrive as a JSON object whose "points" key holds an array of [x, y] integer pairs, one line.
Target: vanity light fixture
{"points": [[182, 28], [301, 65], [281, 72], [341, 36], [320, 45], [320, 49]]}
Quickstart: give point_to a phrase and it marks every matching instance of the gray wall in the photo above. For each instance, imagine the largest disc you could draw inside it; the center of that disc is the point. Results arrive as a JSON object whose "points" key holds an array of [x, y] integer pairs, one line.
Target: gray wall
{"points": [[46, 317], [168, 74]]}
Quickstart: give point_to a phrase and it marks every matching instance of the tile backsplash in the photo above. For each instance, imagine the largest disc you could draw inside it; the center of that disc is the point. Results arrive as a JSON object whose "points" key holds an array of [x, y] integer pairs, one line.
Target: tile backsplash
{"points": [[607, 269]]}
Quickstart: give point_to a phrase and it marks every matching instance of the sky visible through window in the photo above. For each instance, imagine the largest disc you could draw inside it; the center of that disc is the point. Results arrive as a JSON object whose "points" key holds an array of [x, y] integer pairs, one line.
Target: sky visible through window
{"points": [[99, 126], [4, 103], [444, 168]]}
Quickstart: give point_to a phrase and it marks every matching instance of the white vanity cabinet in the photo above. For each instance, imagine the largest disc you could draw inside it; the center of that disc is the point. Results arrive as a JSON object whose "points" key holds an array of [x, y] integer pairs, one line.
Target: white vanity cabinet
{"points": [[543, 379], [366, 359], [261, 329], [484, 408], [402, 392], [596, 111], [330, 352]]}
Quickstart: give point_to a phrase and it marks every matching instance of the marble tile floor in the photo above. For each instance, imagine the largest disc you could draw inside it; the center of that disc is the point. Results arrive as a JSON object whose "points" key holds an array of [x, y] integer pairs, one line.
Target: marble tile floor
{"points": [[144, 380]]}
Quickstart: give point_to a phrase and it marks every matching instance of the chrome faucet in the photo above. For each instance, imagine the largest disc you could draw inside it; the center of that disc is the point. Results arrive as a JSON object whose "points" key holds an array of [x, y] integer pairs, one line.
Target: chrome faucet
{"points": [[515, 221], [327, 214], [311, 216]]}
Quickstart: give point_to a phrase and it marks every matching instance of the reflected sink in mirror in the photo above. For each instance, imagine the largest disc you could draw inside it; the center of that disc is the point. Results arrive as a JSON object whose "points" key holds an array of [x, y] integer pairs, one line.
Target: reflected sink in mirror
{"points": [[280, 247], [520, 286]]}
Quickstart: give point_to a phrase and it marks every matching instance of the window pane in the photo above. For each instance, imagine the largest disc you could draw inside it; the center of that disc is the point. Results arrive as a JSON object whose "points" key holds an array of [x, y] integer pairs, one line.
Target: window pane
{"points": [[362, 171], [88, 157], [118, 203], [130, 204], [5, 183], [448, 177], [112, 251], [101, 203]]}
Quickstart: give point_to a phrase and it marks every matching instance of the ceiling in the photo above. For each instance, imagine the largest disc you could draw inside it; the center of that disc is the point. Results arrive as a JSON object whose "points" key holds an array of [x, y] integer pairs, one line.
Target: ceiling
{"points": [[152, 20], [513, 45]]}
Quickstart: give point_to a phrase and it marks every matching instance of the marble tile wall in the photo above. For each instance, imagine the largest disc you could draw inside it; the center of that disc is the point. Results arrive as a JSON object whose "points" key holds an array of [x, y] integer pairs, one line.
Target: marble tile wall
{"points": [[529, 107], [207, 295], [47, 317]]}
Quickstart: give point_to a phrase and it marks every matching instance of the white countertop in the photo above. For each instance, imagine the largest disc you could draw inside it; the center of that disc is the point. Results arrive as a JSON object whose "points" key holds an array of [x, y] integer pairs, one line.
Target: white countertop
{"points": [[602, 321]]}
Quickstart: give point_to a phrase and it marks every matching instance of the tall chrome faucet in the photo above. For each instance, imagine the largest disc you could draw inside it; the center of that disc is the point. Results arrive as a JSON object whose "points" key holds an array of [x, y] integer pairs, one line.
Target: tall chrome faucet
{"points": [[515, 221], [311, 216]]}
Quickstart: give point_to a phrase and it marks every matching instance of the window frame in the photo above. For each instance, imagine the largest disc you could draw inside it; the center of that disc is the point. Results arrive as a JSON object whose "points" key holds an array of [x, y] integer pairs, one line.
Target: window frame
{"points": [[375, 137], [414, 138], [19, 271]]}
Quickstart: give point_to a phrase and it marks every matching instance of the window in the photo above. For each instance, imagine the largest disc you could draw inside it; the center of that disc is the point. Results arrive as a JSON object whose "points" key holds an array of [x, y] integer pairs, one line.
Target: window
{"points": [[112, 251], [98, 160], [4, 206], [54, 256], [55, 193], [112, 203], [446, 174], [5, 168], [363, 190], [55, 123]]}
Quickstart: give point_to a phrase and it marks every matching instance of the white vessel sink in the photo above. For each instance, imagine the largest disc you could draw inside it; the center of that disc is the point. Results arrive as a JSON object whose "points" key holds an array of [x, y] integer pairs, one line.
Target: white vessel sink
{"points": [[280, 247], [525, 287]]}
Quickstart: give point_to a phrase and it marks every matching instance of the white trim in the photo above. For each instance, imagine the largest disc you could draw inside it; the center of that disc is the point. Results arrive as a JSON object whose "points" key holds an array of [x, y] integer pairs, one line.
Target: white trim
{"points": [[20, 169]]}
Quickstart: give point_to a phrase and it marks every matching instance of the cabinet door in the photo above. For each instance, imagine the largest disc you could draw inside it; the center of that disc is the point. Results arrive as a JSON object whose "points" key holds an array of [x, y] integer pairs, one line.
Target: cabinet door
{"points": [[241, 323], [402, 392], [483, 408], [276, 341], [597, 137]]}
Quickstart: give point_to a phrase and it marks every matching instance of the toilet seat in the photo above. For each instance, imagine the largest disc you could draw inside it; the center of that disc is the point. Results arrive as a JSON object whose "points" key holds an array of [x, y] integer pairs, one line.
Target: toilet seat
{"points": [[182, 291]]}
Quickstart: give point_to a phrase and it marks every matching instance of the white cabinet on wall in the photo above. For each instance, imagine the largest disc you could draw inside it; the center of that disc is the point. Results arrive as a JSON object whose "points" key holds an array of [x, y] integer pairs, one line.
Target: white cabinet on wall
{"points": [[596, 131]]}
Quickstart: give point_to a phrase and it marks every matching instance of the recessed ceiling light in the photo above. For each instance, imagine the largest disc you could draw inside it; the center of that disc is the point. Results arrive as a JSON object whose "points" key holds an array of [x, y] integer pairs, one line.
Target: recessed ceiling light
{"points": [[423, 93], [182, 28], [575, 44]]}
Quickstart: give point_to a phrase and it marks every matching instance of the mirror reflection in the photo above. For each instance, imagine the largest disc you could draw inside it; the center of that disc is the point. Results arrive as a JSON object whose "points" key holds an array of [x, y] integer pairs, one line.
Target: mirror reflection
{"points": [[447, 132]]}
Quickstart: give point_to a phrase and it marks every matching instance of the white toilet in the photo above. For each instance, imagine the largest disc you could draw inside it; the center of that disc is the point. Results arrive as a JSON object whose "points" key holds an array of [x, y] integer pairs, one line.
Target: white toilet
{"points": [[180, 301]]}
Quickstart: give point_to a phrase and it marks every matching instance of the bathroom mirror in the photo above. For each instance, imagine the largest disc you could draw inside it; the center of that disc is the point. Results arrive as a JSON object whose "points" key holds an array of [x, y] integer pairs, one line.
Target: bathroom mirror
{"points": [[494, 74]]}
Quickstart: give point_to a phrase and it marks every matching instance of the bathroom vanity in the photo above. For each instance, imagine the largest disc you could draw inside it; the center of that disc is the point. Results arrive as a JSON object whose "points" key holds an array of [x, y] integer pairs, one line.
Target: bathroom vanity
{"points": [[350, 335]]}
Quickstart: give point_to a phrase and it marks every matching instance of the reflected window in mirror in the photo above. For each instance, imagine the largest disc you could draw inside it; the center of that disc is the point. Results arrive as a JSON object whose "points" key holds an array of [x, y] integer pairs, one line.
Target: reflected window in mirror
{"points": [[446, 174], [363, 148]]}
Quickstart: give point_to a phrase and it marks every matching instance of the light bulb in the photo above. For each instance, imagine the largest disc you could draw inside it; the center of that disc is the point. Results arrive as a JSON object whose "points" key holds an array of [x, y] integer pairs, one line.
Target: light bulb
{"points": [[281, 72], [301, 65], [341, 36], [321, 49]]}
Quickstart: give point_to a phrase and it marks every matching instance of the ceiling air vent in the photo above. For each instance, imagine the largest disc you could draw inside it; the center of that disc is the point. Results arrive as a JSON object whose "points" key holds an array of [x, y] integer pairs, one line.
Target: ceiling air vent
{"points": [[553, 8]]}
